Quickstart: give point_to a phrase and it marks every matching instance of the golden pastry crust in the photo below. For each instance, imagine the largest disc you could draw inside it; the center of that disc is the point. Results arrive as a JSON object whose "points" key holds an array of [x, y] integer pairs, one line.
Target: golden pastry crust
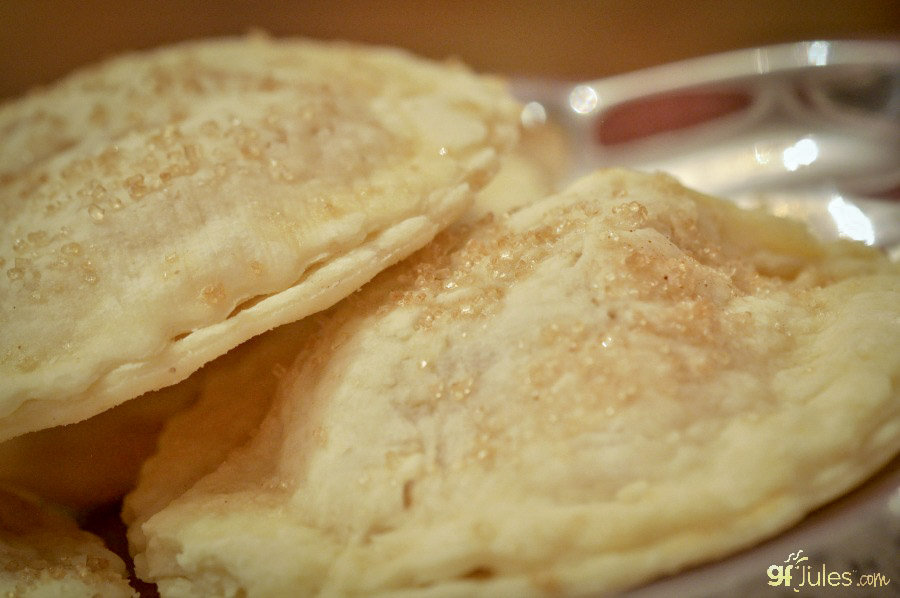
{"points": [[231, 186], [607, 386]]}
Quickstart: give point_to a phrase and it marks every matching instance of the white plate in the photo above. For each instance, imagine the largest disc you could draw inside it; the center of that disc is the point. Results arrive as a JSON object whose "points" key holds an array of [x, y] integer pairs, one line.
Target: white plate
{"points": [[818, 136]]}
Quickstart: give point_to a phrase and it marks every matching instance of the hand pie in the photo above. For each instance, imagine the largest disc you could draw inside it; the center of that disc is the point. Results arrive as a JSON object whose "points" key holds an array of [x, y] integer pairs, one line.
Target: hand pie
{"points": [[607, 386], [202, 194]]}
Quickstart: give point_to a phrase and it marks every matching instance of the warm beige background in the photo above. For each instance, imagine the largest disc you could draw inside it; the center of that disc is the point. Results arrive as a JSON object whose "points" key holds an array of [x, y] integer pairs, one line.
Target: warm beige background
{"points": [[41, 40]]}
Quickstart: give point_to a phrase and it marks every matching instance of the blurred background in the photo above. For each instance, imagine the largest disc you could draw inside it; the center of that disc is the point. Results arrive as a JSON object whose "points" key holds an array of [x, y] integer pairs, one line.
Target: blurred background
{"points": [[40, 40]]}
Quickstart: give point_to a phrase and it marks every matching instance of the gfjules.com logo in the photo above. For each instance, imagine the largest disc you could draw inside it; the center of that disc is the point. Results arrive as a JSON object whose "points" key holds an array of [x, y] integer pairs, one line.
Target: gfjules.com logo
{"points": [[799, 574]]}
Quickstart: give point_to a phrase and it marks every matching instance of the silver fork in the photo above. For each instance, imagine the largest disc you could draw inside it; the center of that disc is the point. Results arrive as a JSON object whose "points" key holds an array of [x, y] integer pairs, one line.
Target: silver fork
{"points": [[813, 133]]}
